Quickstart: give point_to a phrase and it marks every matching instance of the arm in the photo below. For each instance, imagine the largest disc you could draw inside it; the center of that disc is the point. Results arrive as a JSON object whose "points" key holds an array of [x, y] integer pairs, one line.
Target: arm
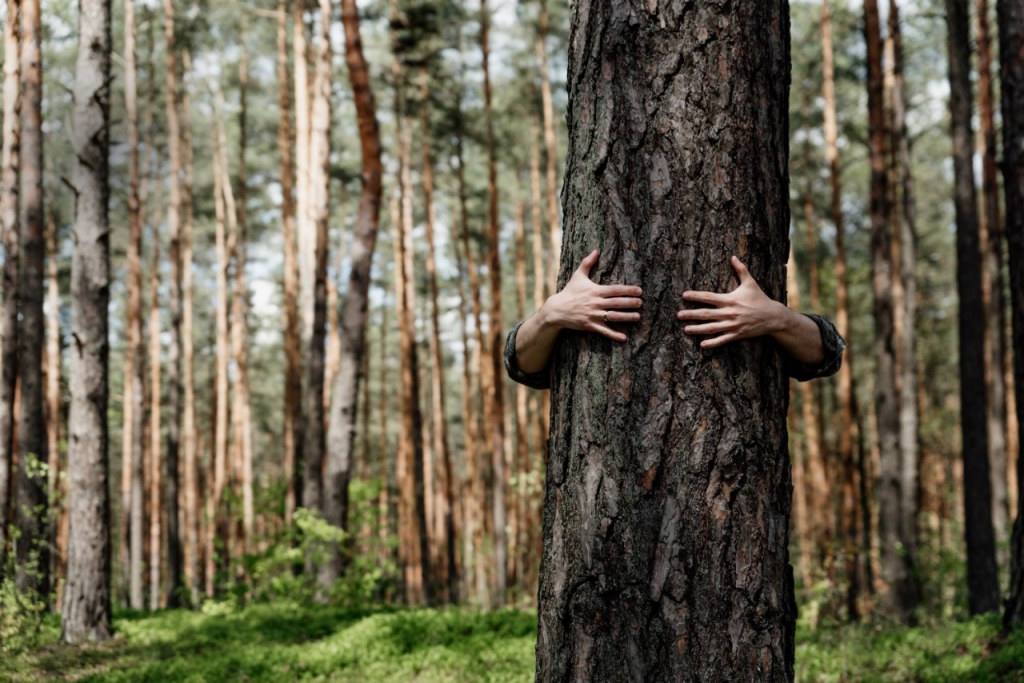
{"points": [[581, 305], [748, 312]]}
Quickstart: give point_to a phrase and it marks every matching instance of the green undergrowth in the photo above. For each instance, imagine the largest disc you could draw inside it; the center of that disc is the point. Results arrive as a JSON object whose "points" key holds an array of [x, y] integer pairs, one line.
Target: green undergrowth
{"points": [[288, 642]]}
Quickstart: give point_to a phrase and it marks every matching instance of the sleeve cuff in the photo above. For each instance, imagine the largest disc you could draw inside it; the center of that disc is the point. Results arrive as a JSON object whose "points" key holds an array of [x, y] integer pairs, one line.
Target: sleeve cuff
{"points": [[833, 345], [535, 380]]}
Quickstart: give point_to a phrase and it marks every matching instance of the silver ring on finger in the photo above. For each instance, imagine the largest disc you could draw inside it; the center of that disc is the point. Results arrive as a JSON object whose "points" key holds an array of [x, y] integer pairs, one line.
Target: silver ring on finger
{"points": [[606, 316]]}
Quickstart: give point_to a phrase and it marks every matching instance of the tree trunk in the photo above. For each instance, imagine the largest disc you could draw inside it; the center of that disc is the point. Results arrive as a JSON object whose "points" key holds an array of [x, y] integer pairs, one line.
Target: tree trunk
{"points": [[86, 613], [447, 574], [31, 548], [1010, 19], [220, 453], [518, 557], [991, 238], [305, 229], [847, 460], [189, 426], [152, 477], [907, 240], [58, 484], [174, 559], [319, 215], [801, 522], [293, 363], [668, 494], [9, 191], [897, 567], [550, 149], [496, 419], [982, 574]]}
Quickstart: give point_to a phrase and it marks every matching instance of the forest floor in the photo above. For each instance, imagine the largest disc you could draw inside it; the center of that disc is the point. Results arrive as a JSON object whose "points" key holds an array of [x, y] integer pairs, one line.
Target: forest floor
{"points": [[282, 642]]}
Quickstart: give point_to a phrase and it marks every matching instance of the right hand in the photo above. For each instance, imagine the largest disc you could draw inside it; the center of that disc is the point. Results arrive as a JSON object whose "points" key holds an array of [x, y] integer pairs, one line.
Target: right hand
{"points": [[585, 305]]}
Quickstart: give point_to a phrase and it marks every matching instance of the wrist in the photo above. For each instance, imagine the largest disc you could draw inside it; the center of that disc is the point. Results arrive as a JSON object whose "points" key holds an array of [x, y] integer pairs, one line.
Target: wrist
{"points": [[548, 316], [781, 319]]}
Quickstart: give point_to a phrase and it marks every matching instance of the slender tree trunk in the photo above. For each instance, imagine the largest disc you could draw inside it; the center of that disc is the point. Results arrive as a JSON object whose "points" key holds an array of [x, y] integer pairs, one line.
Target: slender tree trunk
{"points": [[31, 547], [991, 238], [539, 281], [801, 521], [333, 282], [982, 574], [897, 566], [518, 556], [1010, 19], [667, 498], [174, 542], [496, 421], [58, 484], [319, 215], [86, 613], [9, 191], [220, 453], [189, 427], [304, 102], [550, 149], [293, 363], [152, 477], [341, 433], [447, 574]]}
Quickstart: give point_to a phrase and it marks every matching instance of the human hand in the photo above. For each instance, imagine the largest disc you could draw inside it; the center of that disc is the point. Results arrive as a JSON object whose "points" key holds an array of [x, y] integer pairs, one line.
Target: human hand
{"points": [[585, 305], [741, 314]]}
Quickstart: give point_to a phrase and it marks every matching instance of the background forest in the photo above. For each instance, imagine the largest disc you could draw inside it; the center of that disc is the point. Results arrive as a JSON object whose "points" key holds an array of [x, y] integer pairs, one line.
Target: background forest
{"points": [[273, 475]]}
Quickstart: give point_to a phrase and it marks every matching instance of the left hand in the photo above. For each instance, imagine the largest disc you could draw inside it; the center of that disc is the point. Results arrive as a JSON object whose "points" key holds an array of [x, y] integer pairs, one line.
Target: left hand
{"points": [[741, 314]]}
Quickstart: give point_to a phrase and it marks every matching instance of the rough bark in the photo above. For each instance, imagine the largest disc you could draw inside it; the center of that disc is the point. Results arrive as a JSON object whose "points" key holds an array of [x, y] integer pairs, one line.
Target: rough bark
{"points": [[341, 433], [174, 541], [319, 214], [9, 191], [903, 595], [668, 494], [1010, 18], [86, 608], [845, 388], [496, 419], [991, 238], [31, 548], [907, 252], [188, 419], [982, 574], [293, 363]]}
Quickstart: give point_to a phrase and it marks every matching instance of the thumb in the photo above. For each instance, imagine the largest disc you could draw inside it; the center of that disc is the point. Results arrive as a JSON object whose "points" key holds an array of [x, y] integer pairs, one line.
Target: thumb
{"points": [[741, 270], [587, 263]]}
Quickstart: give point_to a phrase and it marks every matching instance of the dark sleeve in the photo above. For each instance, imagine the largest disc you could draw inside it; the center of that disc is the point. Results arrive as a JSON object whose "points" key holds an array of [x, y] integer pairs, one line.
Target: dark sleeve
{"points": [[535, 380], [834, 346]]}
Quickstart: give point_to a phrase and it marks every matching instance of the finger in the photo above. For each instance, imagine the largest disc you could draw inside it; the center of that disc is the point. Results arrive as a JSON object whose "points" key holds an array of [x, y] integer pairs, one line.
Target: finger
{"points": [[608, 332], [622, 317], [708, 328], [715, 342], [700, 314], [621, 302], [707, 298], [741, 270], [609, 291], [587, 263]]}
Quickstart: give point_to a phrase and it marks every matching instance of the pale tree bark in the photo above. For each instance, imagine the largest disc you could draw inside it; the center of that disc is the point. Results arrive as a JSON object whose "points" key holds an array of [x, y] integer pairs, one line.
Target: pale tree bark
{"points": [[293, 363], [220, 438], [188, 420], [845, 389], [667, 498], [991, 239], [496, 399], [9, 191], [518, 556], [1010, 19], [448, 576], [982, 574], [898, 569], [333, 282], [174, 542], [304, 226], [318, 217], [152, 457], [907, 252], [341, 430], [86, 613], [31, 548], [540, 406], [550, 150], [58, 484], [801, 522]]}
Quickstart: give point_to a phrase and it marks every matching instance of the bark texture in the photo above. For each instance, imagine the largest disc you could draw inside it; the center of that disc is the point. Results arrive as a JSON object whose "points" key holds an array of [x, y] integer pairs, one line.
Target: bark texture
{"points": [[982, 574], [667, 499], [1011, 59], [86, 608]]}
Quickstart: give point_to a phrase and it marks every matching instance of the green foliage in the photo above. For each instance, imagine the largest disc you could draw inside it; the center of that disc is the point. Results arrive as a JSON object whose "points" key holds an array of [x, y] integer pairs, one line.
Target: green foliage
{"points": [[21, 613]]}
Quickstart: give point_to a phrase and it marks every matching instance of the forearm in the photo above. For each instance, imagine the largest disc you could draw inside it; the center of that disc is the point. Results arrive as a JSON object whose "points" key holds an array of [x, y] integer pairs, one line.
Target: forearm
{"points": [[535, 341], [798, 335]]}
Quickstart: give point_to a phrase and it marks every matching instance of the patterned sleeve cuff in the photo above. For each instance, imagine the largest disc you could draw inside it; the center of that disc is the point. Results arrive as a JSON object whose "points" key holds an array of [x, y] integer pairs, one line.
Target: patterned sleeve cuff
{"points": [[834, 346], [535, 380]]}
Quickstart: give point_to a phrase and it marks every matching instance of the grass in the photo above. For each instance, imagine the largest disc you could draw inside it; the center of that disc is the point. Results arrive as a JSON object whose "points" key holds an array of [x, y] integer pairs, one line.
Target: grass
{"points": [[286, 642]]}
